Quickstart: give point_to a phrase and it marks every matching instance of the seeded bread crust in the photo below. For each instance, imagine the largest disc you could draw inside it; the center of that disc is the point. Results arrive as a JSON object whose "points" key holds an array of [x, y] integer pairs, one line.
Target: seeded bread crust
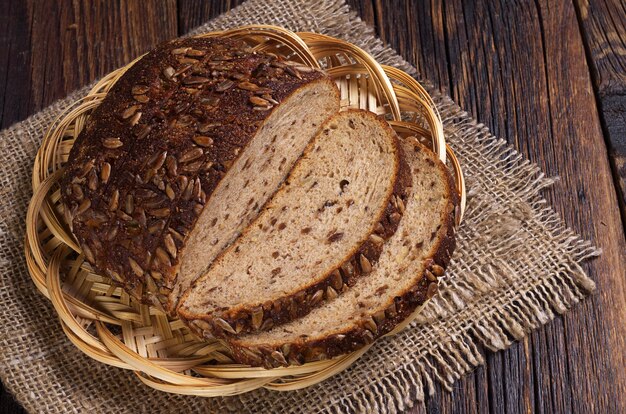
{"points": [[271, 355], [140, 172], [243, 319]]}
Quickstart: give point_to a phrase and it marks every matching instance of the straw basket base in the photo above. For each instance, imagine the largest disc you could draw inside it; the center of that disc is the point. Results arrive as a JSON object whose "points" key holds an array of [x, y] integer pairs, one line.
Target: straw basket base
{"points": [[105, 323]]}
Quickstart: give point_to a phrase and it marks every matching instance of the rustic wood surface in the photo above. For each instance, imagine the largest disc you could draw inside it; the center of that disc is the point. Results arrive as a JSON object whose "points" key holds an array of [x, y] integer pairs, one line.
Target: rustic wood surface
{"points": [[547, 76]]}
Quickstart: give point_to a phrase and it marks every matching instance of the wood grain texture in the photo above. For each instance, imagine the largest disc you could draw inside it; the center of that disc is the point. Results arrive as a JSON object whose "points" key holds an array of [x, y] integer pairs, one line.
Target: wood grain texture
{"points": [[604, 35], [546, 76]]}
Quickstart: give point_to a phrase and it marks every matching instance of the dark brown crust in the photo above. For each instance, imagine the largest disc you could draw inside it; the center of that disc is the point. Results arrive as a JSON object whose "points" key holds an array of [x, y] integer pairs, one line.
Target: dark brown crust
{"points": [[135, 184], [244, 319], [295, 353]]}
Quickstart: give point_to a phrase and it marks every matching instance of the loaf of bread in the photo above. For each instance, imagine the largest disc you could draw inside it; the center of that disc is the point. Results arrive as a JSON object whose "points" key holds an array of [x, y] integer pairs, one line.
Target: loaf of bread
{"points": [[224, 186], [155, 183], [403, 279], [324, 228]]}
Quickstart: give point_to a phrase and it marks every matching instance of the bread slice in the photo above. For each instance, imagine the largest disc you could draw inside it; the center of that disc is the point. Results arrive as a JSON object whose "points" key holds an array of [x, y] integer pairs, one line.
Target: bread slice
{"points": [[323, 228], [187, 130], [404, 278]]}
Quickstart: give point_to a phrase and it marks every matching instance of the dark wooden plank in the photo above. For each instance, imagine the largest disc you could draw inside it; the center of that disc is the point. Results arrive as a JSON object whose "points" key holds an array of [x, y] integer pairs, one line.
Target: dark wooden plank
{"points": [[193, 13], [14, 57], [603, 25], [56, 47], [519, 67]]}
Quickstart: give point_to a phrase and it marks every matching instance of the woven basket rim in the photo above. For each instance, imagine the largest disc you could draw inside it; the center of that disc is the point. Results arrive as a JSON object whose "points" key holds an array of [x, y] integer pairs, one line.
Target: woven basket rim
{"points": [[92, 310]]}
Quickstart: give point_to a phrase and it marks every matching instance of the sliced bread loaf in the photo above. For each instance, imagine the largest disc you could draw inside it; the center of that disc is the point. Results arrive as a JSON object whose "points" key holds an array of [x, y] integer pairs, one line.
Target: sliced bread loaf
{"points": [[182, 135], [404, 278], [323, 228]]}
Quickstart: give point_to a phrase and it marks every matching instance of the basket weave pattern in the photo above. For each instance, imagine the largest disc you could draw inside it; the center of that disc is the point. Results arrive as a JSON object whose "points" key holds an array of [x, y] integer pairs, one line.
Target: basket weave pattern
{"points": [[105, 323]]}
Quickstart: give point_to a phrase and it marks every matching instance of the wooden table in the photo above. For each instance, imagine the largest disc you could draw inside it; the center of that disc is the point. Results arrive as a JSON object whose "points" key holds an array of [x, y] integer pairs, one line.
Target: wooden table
{"points": [[547, 76]]}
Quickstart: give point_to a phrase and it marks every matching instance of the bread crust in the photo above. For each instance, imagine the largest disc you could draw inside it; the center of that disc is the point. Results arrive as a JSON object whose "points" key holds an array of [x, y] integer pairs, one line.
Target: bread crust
{"points": [[151, 154], [398, 309], [245, 319]]}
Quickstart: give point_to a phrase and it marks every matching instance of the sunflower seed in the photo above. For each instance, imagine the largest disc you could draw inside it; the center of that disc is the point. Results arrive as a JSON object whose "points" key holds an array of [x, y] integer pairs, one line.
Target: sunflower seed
{"points": [[105, 172], [130, 111], [368, 337], [222, 324], [286, 349], [432, 290], [197, 188], [305, 69], [371, 325], [168, 72], [267, 324], [195, 80], [293, 72], [129, 206], [180, 51], [248, 86], [316, 298], [255, 100], [379, 316], [182, 70], [376, 239], [261, 108], [224, 86], [138, 270], [112, 233], [437, 270], [123, 215], [189, 61], [142, 131], [172, 166], [269, 98], [391, 311], [395, 217], [88, 253], [330, 293], [169, 192], [202, 128], [114, 201], [140, 89], [112, 143], [203, 140], [162, 257], [366, 266], [77, 192], [160, 212], [141, 98], [279, 357], [430, 276], [195, 52], [191, 155], [156, 275], [92, 182], [135, 119], [400, 205], [84, 206], [379, 229], [257, 317], [170, 246], [335, 280]]}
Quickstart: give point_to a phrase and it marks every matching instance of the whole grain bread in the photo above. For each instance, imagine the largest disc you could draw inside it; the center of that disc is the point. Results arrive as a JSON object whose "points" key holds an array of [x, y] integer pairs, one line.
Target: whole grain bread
{"points": [[324, 228], [168, 147], [404, 278]]}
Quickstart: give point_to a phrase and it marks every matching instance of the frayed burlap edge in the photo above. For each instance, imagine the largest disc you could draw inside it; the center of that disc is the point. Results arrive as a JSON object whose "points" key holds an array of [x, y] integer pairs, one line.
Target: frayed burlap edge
{"points": [[516, 265]]}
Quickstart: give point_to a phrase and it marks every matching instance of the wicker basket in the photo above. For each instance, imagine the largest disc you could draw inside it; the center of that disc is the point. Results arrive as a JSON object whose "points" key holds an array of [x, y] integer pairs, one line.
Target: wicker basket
{"points": [[106, 324]]}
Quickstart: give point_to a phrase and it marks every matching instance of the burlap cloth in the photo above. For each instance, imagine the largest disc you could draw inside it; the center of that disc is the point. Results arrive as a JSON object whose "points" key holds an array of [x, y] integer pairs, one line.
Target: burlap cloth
{"points": [[514, 267]]}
